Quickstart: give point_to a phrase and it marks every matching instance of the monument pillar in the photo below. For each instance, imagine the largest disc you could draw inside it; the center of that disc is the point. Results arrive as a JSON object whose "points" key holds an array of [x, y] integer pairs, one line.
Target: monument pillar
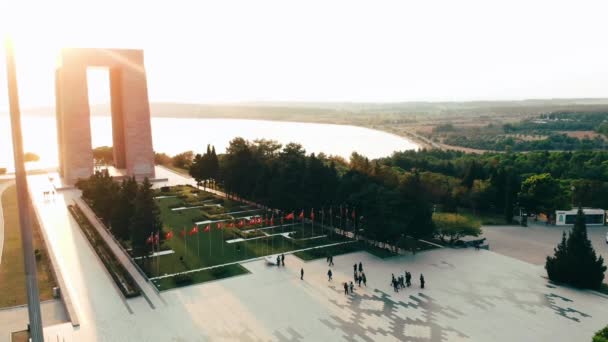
{"points": [[131, 128]]}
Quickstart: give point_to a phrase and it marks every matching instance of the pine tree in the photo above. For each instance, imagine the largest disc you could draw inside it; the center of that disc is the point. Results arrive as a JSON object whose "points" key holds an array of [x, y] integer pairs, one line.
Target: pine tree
{"points": [[146, 218], [124, 209], [587, 269], [556, 265], [575, 261]]}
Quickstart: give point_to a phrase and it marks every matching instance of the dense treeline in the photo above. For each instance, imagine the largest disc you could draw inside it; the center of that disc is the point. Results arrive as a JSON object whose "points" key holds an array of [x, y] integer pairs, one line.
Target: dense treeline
{"points": [[385, 206], [396, 195], [498, 182], [560, 121], [559, 142]]}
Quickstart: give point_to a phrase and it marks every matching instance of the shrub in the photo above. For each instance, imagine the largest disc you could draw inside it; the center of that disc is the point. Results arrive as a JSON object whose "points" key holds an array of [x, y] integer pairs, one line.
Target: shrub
{"points": [[601, 336], [183, 279]]}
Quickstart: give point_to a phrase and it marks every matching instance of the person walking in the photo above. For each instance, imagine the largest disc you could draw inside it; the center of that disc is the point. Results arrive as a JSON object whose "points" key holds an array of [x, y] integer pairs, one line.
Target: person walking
{"points": [[345, 288], [355, 275], [352, 287], [360, 267], [395, 285], [364, 278], [329, 274], [301, 274], [360, 279], [408, 279], [331, 260], [278, 260], [283, 259], [355, 267], [421, 281], [327, 260]]}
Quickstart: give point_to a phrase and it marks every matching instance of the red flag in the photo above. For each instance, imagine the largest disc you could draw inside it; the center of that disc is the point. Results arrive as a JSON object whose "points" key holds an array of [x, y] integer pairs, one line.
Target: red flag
{"points": [[290, 216], [193, 231], [231, 225], [168, 235], [312, 214], [301, 216], [150, 239], [258, 220], [219, 225], [241, 223], [207, 228], [251, 221]]}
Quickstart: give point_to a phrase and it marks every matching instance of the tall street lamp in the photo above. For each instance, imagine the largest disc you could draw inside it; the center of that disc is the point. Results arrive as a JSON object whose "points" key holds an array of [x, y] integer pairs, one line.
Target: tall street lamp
{"points": [[23, 200]]}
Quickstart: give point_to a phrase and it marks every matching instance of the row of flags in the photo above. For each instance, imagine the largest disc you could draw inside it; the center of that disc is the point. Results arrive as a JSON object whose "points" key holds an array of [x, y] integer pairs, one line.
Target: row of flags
{"points": [[154, 238]]}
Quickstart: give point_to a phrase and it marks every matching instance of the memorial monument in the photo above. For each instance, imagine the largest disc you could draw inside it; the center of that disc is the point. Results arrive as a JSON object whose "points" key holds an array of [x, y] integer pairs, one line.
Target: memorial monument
{"points": [[131, 131]]}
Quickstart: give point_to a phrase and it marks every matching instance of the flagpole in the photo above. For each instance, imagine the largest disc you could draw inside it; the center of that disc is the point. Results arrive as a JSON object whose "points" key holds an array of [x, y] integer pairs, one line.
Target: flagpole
{"points": [[158, 256], [322, 218], [312, 219], [185, 242]]}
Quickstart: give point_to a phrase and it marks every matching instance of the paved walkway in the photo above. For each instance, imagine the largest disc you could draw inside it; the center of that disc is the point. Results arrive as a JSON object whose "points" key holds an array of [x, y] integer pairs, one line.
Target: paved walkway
{"points": [[3, 186], [16, 318]]}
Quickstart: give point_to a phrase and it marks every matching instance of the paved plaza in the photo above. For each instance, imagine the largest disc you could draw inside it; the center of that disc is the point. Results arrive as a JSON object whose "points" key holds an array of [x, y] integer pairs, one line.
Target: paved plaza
{"points": [[532, 244], [469, 296]]}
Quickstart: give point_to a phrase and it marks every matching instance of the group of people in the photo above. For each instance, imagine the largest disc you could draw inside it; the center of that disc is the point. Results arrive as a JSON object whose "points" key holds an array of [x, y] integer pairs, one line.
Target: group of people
{"points": [[405, 280], [281, 260], [400, 282], [359, 275]]}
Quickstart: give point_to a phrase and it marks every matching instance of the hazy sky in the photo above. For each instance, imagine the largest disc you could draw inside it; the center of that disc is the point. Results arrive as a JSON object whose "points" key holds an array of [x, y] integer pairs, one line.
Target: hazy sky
{"points": [[324, 50]]}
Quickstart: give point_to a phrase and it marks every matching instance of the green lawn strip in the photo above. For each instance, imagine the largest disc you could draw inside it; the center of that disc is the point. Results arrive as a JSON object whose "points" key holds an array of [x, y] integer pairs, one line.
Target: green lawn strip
{"points": [[323, 252], [12, 270], [484, 218], [119, 274], [207, 249], [199, 277]]}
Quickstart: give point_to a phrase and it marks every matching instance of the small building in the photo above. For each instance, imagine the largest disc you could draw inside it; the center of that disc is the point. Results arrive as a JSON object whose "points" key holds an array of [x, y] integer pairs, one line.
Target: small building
{"points": [[592, 216]]}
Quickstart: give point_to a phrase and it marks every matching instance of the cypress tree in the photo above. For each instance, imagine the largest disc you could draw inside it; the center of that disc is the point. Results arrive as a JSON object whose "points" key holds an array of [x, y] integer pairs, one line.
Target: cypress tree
{"points": [[575, 261]]}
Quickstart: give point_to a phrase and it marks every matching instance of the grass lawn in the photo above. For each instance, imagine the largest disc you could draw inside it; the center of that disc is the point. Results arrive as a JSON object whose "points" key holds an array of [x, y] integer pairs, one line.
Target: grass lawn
{"points": [[323, 252], [12, 270], [484, 218], [212, 248], [201, 276]]}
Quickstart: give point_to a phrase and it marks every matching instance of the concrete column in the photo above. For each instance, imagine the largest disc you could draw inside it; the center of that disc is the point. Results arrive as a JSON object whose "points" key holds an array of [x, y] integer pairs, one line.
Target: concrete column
{"points": [[75, 120], [139, 153], [118, 130], [59, 118]]}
